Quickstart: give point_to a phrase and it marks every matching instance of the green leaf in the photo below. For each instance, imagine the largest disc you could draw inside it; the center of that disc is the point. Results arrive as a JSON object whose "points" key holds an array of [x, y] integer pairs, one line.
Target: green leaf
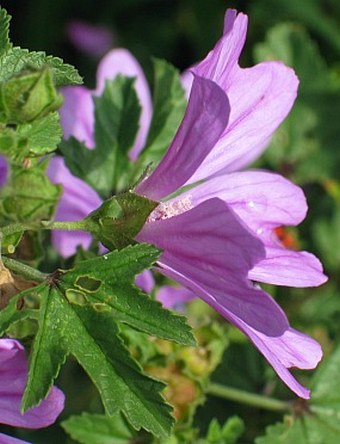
{"points": [[16, 59], [291, 44], [119, 219], [98, 429], [79, 315], [5, 43], [117, 114], [34, 139], [92, 337], [318, 420], [11, 313], [226, 434], [126, 303], [310, 13], [41, 136], [8, 243], [29, 196], [169, 105]]}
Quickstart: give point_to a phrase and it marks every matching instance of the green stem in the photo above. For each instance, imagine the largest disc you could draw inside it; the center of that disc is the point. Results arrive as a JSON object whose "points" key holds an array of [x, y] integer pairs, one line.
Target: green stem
{"points": [[24, 270], [82, 225], [237, 395], [79, 225]]}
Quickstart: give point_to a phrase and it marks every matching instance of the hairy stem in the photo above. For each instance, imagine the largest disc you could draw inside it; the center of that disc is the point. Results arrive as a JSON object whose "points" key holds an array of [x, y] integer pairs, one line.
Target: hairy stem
{"points": [[260, 401], [82, 225], [24, 270]]}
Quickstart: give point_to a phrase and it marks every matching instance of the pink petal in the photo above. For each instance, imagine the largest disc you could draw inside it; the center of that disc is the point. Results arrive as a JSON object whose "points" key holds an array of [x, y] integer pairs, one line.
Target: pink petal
{"points": [[291, 349], [77, 201], [121, 61], [289, 268], [260, 98], [263, 200], [13, 377], [145, 281], [209, 250], [174, 297], [3, 171], [5, 439], [92, 39], [221, 61], [205, 119], [77, 114]]}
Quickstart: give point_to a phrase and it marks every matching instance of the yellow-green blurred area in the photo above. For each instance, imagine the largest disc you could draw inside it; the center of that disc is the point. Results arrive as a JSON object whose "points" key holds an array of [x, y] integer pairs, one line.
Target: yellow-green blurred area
{"points": [[305, 34]]}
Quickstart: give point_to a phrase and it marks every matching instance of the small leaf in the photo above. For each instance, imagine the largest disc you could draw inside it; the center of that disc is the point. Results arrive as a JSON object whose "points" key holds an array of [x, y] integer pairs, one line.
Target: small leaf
{"points": [[98, 429], [5, 43], [169, 105], [16, 59], [11, 314], [117, 114], [40, 137]]}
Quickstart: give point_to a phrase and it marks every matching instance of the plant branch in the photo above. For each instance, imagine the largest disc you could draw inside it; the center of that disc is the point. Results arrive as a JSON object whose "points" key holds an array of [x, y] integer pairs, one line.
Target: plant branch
{"points": [[260, 401], [24, 270]]}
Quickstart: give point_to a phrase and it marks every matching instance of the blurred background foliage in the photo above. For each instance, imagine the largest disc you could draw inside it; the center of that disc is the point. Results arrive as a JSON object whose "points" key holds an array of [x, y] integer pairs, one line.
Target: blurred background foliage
{"points": [[305, 34]]}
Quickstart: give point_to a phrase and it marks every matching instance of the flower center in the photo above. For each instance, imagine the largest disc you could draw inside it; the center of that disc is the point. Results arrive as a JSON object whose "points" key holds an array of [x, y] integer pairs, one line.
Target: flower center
{"points": [[165, 210]]}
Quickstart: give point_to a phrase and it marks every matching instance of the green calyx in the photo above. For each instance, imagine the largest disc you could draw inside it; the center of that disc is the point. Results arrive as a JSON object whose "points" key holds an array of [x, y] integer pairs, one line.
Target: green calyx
{"points": [[28, 96], [119, 219]]}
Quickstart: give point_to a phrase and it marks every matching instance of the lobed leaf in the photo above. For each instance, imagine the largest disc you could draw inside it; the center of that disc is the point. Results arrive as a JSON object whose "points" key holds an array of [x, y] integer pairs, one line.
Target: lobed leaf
{"points": [[126, 302]]}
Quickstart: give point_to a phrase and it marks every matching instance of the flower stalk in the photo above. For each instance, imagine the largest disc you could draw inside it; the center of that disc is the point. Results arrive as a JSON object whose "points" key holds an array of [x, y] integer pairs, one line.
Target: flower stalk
{"points": [[260, 401], [23, 270]]}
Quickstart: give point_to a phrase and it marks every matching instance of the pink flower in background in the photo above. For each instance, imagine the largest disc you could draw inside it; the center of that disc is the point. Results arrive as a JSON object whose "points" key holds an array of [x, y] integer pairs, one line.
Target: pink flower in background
{"points": [[3, 171], [13, 377], [218, 237], [93, 40]]}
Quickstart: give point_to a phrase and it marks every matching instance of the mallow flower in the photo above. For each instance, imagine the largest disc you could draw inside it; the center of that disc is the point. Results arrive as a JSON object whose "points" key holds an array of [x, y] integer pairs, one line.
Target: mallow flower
{"points": [[13, 377], [218, 238], [77, 119]]}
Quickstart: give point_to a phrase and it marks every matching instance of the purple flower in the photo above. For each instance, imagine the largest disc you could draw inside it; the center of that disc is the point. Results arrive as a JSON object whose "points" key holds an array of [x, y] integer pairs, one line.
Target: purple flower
{"points": [[94, 40], [13, 377], [218, 237], [77, 118], [3, 171]]}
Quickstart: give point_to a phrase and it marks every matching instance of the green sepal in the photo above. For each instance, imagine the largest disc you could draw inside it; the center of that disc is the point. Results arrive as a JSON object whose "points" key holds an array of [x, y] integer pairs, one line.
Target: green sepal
{"points": [[29, 195], [28, 96], [119, 219]]}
